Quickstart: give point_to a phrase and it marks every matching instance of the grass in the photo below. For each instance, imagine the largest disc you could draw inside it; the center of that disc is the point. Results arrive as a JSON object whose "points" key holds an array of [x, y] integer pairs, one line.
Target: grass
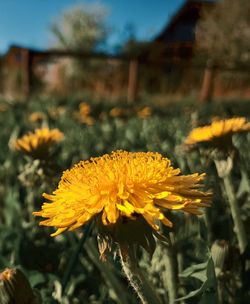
{"points": [[44, 260]]}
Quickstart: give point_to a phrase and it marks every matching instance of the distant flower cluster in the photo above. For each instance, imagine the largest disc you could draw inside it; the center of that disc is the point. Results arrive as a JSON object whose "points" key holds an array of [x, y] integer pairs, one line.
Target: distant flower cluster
{"points": [[84, 114], [145, 112], [37, 117]]}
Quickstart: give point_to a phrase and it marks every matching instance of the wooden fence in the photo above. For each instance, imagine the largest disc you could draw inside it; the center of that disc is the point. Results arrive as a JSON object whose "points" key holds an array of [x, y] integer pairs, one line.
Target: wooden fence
{"points": [[29, 58]]}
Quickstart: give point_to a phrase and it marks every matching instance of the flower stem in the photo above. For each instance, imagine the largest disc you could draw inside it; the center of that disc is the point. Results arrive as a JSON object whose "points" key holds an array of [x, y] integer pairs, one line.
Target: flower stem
{"points": [[208, 223], [30, 205], [136, 277], [74, 258], [235, 211], [171, 272], [108, 272]]}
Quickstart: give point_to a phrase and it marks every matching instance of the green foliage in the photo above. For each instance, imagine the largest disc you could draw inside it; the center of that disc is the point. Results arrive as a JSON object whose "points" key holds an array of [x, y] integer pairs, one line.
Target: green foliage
{"points": [[81, 27], [205, 273], [45, 260], [224, 31]]}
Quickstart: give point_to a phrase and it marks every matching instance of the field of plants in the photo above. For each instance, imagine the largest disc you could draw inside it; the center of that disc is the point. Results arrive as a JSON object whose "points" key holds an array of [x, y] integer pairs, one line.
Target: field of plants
{"points": [[201, 259]]}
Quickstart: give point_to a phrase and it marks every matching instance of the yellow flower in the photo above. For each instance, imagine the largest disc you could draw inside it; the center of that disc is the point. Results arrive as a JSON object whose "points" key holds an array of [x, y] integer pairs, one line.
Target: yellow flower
{"points": [[6, 274], [88, 120], [119, 186], [145, 112], [56, 112], [84, 114], [38, 143], [116, 112], [15, 287], [84, 109], [37, 117], [3, 108], [219, 132]]}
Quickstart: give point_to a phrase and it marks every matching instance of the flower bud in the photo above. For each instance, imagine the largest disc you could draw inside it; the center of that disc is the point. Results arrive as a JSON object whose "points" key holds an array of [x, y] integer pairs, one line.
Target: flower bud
{"points": [[15, 288], [220, 251]]}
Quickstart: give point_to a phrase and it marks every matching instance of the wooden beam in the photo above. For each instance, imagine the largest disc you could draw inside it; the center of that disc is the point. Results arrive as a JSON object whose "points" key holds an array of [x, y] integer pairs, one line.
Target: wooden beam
{"points": [[26, 72], [132, 81], [207, 86], [39, 55]]}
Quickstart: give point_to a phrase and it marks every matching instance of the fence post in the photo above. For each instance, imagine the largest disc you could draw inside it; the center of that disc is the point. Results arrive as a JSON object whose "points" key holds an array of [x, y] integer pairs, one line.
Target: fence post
{"points": [[26, 72], [207, 86], [132, 81]]}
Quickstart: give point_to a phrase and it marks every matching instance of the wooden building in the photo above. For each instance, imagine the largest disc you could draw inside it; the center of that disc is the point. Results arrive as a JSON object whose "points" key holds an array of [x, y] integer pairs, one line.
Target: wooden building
{"points": [[173, 44], [179, 34], [26, 68]]}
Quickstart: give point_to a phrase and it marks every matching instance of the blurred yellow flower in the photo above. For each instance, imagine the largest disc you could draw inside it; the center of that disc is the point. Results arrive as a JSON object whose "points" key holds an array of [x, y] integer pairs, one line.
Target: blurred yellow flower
{"points": [[88, 120], [122, 185], [38, 143], [219, 132], [84, 109], [84, 114], [37, 117], [55, 112], [3, 108], [145, 112], [116, 112]]}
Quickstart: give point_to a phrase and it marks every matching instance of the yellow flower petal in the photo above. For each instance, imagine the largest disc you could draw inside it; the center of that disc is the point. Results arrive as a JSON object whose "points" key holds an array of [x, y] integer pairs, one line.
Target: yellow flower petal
{"points": [[37, 144], [122, 185], [218, 130]]}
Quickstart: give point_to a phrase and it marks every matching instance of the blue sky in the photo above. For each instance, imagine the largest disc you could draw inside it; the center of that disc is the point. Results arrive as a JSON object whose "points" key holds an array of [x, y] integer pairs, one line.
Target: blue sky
{"points": [[27, 22]]}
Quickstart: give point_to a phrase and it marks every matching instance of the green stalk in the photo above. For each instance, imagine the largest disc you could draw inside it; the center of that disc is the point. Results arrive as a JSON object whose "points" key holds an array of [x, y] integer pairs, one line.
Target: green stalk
{"points": [[208, 224], [172, 274], [74, 258], [136, 277], [235, 211], [171, 271], [108, 272], [30, 204], [206, 212]]}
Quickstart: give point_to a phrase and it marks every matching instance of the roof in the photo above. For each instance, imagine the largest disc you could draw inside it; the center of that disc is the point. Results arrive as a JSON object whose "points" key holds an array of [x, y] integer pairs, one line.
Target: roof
{"points": [[189, 10]]}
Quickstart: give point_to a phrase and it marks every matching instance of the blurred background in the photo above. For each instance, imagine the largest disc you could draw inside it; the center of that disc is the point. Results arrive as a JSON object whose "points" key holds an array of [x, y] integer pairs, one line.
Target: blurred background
{"points": [[117, 50]]}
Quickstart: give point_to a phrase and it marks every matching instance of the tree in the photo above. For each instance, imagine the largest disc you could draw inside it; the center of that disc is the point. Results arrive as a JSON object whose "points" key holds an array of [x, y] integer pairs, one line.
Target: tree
{"points": [[81, 28], [223, 33]]}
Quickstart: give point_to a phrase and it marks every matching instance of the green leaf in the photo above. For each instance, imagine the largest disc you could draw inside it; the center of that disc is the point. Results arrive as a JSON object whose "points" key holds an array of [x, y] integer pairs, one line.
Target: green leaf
{"points": [[244, 186], [190, 270], [36, 278], [206, 274]]}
